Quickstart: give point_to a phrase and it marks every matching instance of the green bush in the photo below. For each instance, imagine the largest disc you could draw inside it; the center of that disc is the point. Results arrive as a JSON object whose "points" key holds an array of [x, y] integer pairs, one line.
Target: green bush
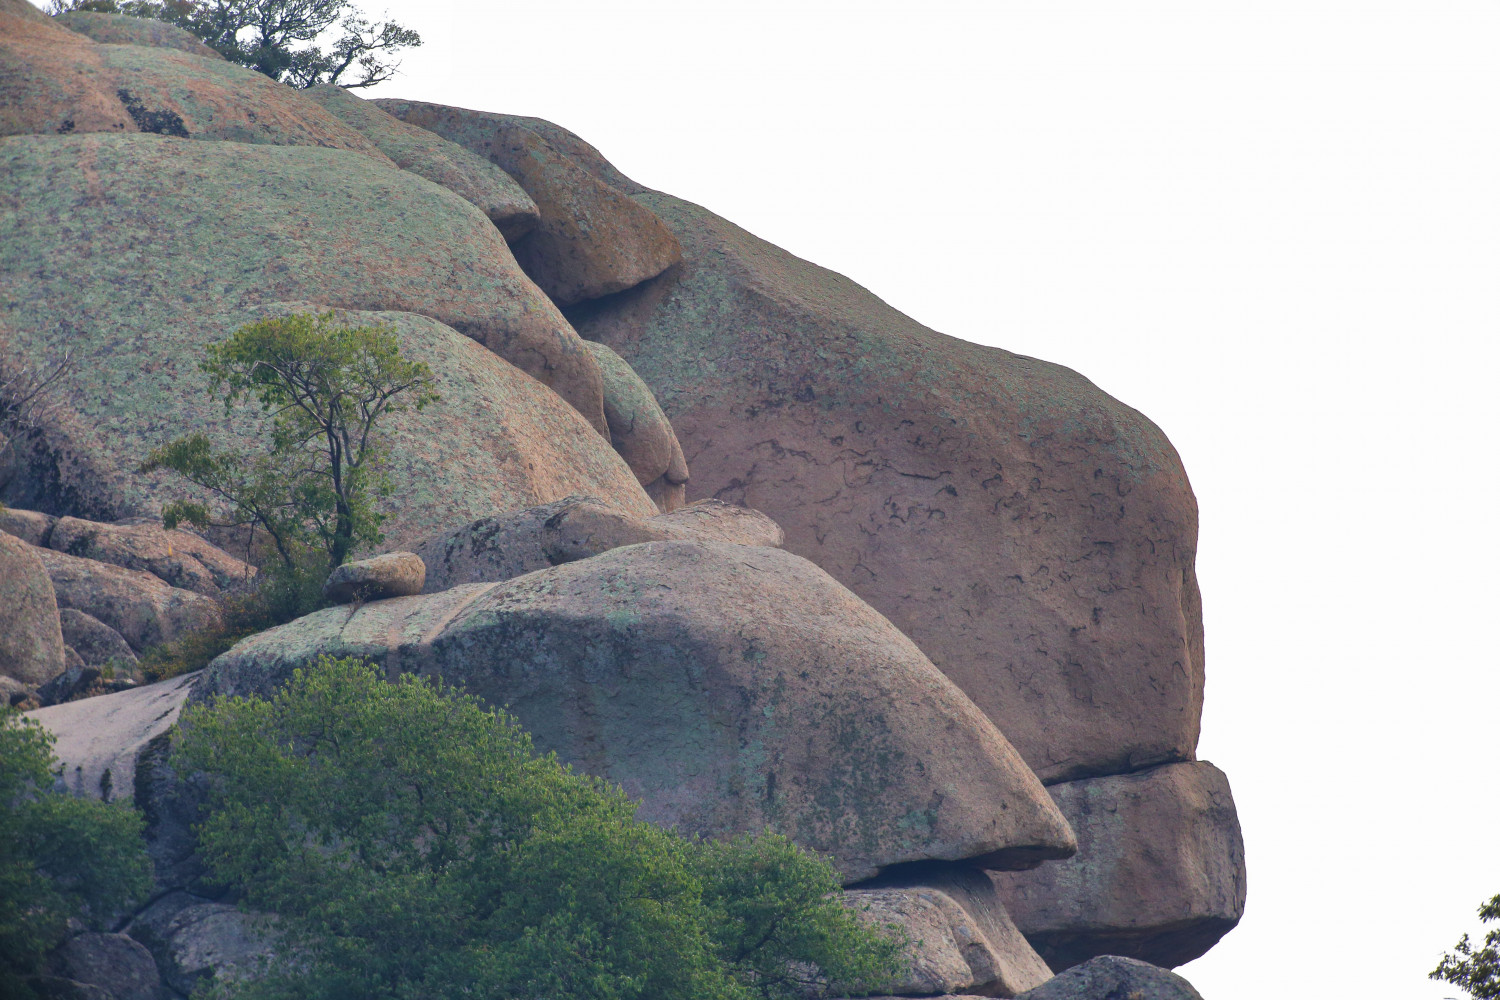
{"points": [[61, 857], [413, 845]]}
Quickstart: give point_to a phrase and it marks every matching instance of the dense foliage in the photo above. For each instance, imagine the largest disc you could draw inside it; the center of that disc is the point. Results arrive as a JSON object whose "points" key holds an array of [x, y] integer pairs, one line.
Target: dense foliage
{"points": [[414, 845], [61, 857], [298, 42], [1476, 971]]}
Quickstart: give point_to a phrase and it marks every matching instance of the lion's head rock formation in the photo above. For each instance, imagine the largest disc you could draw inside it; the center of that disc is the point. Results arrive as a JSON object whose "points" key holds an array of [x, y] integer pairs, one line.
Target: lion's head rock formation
{"points": [[715, 523]]}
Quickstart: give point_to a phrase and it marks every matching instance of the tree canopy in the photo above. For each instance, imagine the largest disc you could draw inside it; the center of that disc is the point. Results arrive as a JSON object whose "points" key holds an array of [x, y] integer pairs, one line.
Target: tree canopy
{"points": [[413, 844], [298, 42], [1476, 971]]}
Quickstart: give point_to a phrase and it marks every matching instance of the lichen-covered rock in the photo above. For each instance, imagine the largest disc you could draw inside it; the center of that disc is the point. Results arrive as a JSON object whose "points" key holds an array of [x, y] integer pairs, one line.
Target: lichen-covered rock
{"points": [[638, 429], [121, 29], [30, 526], [392, 574], [466, 174], [1033, 536], [180, 558], [31, 641], [139, 606], [236, 234], [1159, 874], [114, 962], [196, 940], [729, 688], [499, 548], [55, 81], [95, 642], [1111, 977], [592, 239]]}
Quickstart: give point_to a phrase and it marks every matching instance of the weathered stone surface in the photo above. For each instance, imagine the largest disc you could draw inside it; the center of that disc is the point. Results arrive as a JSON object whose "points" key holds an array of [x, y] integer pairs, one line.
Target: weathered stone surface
{"points": [[139, 606], [638, 429], [239, 234], [62, 988], [179, 558], [1159, 874], [72, 683], [114, 962], [99, 739], [194, 939], [728, 687], [31, 642], [961, 937], [13, 692], [120, 29], [95, 642], [499, 548], [592, 239], [1033, 536], [393, 574], [466, 174], [30, 526], [57, 81], [1111, 977]]}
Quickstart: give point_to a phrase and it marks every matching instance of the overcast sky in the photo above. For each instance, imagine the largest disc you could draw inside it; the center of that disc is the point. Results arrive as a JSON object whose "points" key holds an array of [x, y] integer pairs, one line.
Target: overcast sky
{"points": [[1274, 228]]}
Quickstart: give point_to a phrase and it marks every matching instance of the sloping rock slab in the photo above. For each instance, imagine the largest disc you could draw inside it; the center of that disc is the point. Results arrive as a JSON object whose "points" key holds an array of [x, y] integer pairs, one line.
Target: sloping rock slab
{"points": [[99, 739], [121, 29], [31, 642], [498, 548], [729, 688], [237, 233], [466, 174], [138, 605], [180, 558], [1033, 536], [1110, 977], [1159, 874], [592, 240]]}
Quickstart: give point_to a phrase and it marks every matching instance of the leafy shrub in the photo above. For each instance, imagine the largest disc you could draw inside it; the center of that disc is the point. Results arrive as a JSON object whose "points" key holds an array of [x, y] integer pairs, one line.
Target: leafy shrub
{"points": [[413, 844], [60, 857]]}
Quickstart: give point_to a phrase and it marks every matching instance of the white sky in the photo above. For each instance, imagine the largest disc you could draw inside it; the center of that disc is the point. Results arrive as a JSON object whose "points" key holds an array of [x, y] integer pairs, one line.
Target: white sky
{"points": [[1274, 227]]}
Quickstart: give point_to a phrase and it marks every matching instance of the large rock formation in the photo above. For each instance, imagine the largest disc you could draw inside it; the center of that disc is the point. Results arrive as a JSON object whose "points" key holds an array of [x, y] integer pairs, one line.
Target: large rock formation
{"points": [[138, 605], [727, 687], [31, 643], [1159, 874]]}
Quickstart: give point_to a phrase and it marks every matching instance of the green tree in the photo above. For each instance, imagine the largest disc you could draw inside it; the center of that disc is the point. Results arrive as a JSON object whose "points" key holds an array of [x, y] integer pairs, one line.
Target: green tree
{"points": [[60, 857], [413, 844], [1476, 971], [325, 387], [298, 42]]}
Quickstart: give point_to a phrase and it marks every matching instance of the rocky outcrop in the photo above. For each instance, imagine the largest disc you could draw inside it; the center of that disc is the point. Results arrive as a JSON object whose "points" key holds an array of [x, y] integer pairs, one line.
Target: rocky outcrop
{"points": [[640, 432], [1159, 874], [31, 642], [116, 963], [394, 574], [30, 526], [55, 81], [592, 239], [223, 253], [466, 174], [142, 608], [95, 642], [195, 939], [120, 29], [178, 558], [727, 687], [1111, 977], [1033, 536], [499, 548]]}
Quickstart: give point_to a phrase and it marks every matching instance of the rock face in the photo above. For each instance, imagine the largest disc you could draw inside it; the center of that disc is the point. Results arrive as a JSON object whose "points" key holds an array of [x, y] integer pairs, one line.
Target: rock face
{"points": [[113, 962], [178, 558], [1032, 535], [223, 252], [1159, 874], [31, 642], [1110, 977], [55, 81], [195, 939], [498, 548], [727, 687], [120, 29], [592, 239], [466, 174], [640, 432], [394, 574], [139, 606]]}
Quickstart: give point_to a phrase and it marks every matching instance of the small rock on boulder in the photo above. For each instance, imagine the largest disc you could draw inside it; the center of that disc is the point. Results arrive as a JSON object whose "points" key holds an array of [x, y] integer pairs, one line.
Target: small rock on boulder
{"points": [[394, 574], [1159, 874], [31, 641], [1110, 977], [114, 962]]}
